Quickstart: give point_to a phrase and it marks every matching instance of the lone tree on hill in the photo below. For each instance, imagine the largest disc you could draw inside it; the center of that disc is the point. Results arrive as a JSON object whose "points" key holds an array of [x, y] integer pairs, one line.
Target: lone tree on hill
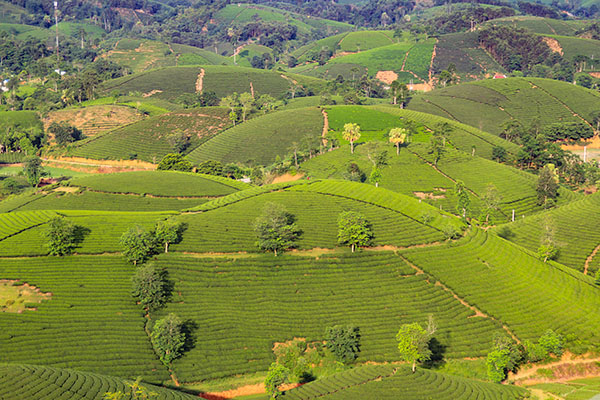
{"points": [[354, 230], [150, 287], [413, 343], [351, 134], [463, 203], [247, 102], [275, 228], [547, 186], [138, 244], [398, 136], [491, 201], [168, 338], [343, 342], [61, 236], [32, 168], [277, 376], [168, 231], [399, 93]]}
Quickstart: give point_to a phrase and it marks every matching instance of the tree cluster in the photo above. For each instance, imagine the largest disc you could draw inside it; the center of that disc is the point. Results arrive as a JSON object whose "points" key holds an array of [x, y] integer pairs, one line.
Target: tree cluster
{"points": [[140, 244]]}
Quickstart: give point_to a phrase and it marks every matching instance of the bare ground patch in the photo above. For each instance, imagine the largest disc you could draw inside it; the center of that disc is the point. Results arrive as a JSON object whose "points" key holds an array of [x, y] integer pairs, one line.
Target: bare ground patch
{"points": [[15, 296], [386, 77], [95, 119], [287, 178], [553, 44], [429, 195]]}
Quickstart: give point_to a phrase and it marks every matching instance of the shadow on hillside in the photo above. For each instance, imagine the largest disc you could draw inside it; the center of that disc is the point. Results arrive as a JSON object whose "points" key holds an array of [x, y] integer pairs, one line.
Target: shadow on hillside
{"points": [[438, 351], [79, 234], [189, 328]]}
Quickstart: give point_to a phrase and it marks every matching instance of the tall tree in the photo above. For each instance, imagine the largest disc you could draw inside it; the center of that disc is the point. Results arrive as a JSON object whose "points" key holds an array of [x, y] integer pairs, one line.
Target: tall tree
{"points": [[463, 202], [168, 231], [168, 338], [275, 228], [354, 230], [343, 342], [138, 244], [413, 344], [150, 287], [61, 236], [32, 168], [247, 102], [277, 376], [547, 186], [398, 136], [351, 134], [491, 201]]}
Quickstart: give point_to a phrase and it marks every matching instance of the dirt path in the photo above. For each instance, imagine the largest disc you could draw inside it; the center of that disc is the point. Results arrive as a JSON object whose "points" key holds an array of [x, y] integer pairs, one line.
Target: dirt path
{"points": [[246, 390], [589, 259], [431, 65], [478, 312], [200, 81], [404, 61], [325, 127]]}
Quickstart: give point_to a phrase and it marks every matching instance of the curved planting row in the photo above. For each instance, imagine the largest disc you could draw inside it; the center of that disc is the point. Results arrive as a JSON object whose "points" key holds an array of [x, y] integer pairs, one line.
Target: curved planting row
{"points": [[13, 223], [573, 226], [241, 306], [89, 323], [399, 382], [230, 228], [19, 382], [511, 285]]}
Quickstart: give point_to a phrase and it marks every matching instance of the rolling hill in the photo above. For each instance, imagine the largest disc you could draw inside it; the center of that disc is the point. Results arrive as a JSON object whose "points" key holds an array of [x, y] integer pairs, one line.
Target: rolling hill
{"points": [[498, 101]]}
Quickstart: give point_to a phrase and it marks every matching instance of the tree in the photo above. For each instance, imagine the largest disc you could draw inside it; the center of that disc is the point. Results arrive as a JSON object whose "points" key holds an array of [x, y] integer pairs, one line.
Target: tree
{"points": [[354, 230], [150, 287], [491, 201], [413, 344], [375, 176], [64, 133], [61, 236], [552, 342], [174, 162], [32, 168], [138, 244], [547, 186], [168, 338], [399, 93], [547, 250], [343, 342], [496, 363], [463, 203], [436, 147], [179, 141], [398, 136], [275, 228], [168, 231], [247, 102], [499, 153], [351, 133], [276, 377]]}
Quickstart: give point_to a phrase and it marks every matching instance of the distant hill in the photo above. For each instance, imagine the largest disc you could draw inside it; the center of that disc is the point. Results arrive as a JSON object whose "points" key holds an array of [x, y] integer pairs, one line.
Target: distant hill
{"points": [[488, 104], [171, 82]]}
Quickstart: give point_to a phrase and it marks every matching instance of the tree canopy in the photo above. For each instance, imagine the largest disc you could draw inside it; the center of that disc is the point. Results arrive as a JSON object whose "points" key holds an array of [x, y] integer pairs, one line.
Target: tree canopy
{"points": [[275, 228]]}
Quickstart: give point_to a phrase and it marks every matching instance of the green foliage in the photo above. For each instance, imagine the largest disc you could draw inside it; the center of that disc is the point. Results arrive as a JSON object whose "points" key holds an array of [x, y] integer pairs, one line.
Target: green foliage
{"points": [[547, 252], [64, 133], [168, 231], [275, 228], [343, 342], [413, 343], [61, 236], [174, 162], [535, 352], [33, 170], [168, 338], [351, 134], [150, 287], [138, 244], [276, 377], [552, 342], [547, 187], [354, 230], [463, 203], [497, 361]]}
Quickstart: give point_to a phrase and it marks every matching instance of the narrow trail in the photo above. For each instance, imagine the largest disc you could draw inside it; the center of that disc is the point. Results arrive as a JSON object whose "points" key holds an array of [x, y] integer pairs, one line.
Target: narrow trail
{"points": [[405, 57], [325, 127], [433, 54], [200, 81], [477, 311], [590, 258]]}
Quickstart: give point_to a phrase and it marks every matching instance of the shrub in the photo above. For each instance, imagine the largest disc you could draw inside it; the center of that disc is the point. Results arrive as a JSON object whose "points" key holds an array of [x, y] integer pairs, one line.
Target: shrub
{"points": [[175, 162], [552, 342], [61, 236], [343, 342]]}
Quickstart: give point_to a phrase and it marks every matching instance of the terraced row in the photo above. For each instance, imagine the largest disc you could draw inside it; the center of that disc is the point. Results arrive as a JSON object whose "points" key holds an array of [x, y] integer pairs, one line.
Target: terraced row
{"points": [[241, 306]]}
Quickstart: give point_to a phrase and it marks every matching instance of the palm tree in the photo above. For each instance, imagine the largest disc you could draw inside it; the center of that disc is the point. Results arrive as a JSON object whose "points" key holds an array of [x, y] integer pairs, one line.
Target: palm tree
{"points": [[398, 136], [351, 134]]}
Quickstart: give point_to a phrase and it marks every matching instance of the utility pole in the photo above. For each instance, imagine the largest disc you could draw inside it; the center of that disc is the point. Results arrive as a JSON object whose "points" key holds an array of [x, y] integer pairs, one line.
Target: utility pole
{"points": [[56, 24]]}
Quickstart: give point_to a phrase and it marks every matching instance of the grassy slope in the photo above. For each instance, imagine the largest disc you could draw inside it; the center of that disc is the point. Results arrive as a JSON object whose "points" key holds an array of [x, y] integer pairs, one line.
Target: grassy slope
{"points": [[395, 382], [261, 139], [20, 381], [223, 80], [575, 232], [545, 26], [148, 139], [90, 323], [499, 100]]}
